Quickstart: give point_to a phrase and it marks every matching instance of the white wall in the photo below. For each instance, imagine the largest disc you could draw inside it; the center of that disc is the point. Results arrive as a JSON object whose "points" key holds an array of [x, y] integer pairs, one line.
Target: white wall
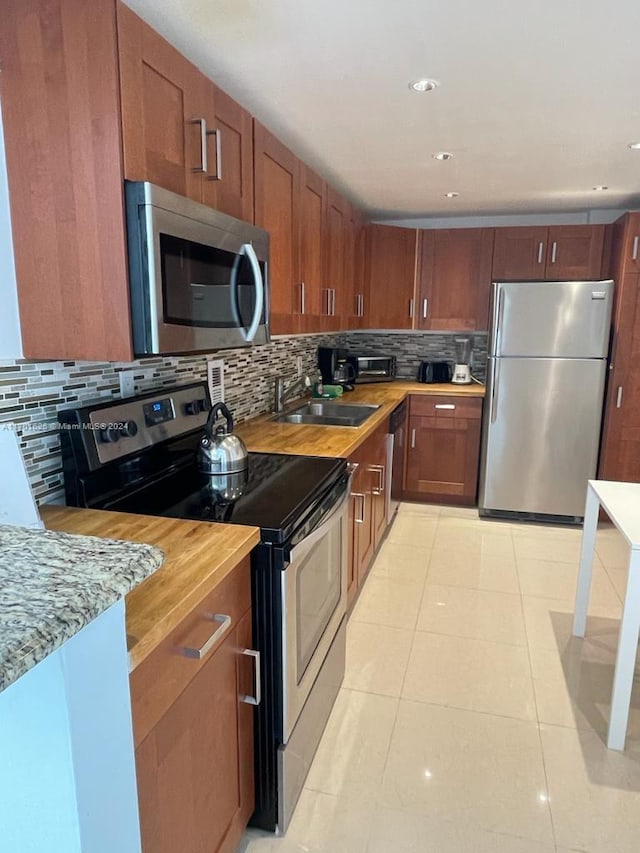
{"points": [[10, 339], [585, 217]]}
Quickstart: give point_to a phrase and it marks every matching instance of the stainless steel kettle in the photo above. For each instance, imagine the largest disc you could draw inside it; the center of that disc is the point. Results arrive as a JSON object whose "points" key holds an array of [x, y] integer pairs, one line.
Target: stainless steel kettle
{"points": [[221, 452]]}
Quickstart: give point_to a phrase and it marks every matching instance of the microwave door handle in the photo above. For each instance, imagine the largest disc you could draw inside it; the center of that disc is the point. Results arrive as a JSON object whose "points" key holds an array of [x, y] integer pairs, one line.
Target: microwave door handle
{"points": [[248, 250]]}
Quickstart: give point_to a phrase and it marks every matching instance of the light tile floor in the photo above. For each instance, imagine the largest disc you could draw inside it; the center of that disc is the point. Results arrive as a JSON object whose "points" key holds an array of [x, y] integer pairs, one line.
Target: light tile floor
{"points": [[470, 720]]}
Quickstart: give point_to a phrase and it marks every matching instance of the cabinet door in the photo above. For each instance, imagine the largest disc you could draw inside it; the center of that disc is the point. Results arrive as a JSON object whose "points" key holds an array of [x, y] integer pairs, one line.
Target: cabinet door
{"points": [[377, 465], [61, 117], [333, 293], [632, 243], [228, 186], [363, 528], [519, 254], [276, 191], [164, 101], [574, 252], [454, 279], [391, 260], [190, 786], [311, 216], [444, 449]]}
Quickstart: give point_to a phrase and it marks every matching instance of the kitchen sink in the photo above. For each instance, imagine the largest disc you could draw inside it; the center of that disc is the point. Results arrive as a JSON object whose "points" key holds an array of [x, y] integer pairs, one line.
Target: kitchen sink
{"points": [[324, 413]]}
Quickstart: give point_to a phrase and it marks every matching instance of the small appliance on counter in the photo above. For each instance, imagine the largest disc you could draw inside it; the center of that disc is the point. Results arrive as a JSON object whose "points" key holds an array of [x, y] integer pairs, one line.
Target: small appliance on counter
{"points": [[335, 368], [434, 371], [462, 367], [373, 368]]}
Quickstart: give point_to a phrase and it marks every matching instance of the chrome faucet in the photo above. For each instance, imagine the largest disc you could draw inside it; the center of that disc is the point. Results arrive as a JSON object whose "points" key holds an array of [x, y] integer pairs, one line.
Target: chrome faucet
{"points": [[282, 393]]}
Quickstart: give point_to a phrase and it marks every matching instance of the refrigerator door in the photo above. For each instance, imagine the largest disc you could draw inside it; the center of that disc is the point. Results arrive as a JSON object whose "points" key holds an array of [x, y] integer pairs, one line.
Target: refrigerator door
{"points": [[540, 434], [563, 319]]}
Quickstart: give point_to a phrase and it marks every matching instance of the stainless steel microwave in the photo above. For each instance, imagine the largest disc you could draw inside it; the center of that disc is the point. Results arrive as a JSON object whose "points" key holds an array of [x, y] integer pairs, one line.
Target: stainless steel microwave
{"points": [[198, 278]]}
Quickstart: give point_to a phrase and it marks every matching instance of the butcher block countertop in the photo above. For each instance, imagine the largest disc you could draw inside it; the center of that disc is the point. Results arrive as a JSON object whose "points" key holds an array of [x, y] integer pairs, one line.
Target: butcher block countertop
{"points": [[264, 435], [198, 555]]}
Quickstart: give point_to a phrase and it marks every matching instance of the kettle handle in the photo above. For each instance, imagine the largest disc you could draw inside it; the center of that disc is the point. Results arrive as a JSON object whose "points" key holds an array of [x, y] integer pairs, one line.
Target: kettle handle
{"points": [[217, 409]]}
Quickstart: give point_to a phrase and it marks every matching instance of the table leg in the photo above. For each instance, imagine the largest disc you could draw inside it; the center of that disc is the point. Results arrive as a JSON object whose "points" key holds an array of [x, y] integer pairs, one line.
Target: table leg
{"points": [[626, 657], [583, 588]]}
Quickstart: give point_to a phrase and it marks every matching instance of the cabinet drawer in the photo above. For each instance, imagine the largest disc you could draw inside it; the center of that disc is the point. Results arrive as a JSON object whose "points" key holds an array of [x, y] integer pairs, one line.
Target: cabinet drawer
{"points": [[158, 681], [446, 406]]}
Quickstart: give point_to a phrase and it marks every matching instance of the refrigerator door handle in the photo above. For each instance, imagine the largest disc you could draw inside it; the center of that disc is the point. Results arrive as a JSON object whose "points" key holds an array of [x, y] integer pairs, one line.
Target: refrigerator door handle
{"points": [[500, 321], [494, 390]]}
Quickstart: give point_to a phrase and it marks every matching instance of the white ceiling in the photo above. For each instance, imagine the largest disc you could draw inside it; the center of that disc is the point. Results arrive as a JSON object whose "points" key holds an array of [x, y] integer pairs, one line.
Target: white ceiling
{"points": [[538, 100]]}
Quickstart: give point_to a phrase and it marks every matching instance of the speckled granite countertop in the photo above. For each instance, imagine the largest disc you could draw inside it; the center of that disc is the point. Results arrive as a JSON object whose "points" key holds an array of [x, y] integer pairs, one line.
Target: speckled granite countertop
{"points": [[53, 584]]}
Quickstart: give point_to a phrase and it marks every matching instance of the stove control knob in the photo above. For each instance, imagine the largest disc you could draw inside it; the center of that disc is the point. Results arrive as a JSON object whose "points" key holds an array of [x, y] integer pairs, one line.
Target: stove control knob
{"points": [[110, 435], [129, 429], [194, 407]]}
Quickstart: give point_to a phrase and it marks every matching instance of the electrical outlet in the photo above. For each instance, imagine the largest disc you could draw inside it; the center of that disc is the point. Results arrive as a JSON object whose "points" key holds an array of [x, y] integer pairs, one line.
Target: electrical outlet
{"points": [[127, 385], [299, 364]]}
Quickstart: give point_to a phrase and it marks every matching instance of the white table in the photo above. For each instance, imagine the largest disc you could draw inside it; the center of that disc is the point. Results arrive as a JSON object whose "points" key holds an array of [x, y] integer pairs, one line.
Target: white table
{"points": [[622, 504]]}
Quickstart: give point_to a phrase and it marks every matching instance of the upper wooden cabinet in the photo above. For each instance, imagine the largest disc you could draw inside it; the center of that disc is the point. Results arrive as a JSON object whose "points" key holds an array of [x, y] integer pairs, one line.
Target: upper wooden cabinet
{"points": [[560, 252], [454, 279], [179, 130], [61, 111], [333, 292], [390, 273], [276, 189], [311, 217]]}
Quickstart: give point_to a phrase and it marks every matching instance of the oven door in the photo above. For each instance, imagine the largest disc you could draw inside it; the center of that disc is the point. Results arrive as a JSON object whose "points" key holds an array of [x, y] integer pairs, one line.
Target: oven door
{"points": [[314, 602], [198, 277]]}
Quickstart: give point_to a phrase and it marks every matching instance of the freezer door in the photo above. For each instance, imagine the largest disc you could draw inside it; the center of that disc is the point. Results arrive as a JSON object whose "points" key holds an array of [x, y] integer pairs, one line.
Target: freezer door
{"points": [[540, 434], [562, 319]]}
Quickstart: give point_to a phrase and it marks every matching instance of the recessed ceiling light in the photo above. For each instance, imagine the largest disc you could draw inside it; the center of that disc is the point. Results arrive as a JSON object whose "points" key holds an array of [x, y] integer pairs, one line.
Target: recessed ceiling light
{"points": [[634, 145], [443, 155], [423, 85], [600, 188], [452, 195]]}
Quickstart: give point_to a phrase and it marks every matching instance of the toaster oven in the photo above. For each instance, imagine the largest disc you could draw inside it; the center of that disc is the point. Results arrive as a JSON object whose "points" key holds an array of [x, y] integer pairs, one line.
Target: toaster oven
{"points": [[373, 368]]}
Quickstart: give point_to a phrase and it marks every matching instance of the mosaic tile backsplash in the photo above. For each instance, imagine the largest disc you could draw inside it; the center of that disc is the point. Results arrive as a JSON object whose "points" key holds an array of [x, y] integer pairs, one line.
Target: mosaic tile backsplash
{"points": [[31, 393]]}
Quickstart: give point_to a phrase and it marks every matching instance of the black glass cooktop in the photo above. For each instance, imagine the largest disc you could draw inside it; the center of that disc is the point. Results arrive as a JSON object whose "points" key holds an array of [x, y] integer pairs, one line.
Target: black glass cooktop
{"points": [[274, 493]]}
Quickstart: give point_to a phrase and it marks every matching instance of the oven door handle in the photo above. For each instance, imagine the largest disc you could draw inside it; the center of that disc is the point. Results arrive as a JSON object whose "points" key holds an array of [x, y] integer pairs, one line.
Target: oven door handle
{"points": [[317, 534], [250, 253]]}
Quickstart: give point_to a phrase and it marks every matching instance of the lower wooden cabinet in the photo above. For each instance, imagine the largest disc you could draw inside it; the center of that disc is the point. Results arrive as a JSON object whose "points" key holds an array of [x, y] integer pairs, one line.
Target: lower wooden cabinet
{"points": [[443, 449], [193, 729], [368, 511]]}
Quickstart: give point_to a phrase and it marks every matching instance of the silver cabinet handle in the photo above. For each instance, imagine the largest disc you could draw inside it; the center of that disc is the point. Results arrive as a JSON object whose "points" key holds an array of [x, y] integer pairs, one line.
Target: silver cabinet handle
{"points": [[218, 174], [225, 624], [634, 251], [619, 397], [411, 309], [362, 305], [328, 292], [203, 145], [540, 251], [379, 490], [257, 697], [425, 308], [352, 467], [554, 251], [413, 438], [302, 300], [359, 520], [449, 406], [333, 302]]}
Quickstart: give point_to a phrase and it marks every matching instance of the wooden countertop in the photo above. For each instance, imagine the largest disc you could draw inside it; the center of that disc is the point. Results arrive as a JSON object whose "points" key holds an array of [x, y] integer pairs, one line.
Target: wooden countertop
{"points": [[198, 555], [264, 435]]}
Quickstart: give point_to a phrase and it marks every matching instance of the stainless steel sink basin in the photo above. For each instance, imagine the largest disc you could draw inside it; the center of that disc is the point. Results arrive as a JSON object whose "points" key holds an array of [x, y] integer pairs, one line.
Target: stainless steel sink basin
{"points": [[326, 413]]}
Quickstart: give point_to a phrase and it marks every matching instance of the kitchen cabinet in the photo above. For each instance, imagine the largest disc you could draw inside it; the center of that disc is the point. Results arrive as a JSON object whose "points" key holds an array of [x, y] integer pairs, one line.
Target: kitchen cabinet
{"points": [[620, 448], [193, 727], [369, 486], [443, 450], [390, 274], [61, 114], [559, 252], [276, 188], [311, 217], [454, 279], [333, 294], [179, 130]]}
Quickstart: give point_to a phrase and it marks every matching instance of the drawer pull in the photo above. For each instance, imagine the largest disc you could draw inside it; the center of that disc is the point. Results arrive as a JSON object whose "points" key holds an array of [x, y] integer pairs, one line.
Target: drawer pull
{"points": [[413, 438], [202, 123], [218, 174], [225, 624], [449, 406], [257, 697], [634, 252], [379, 469], [540, 251], [554, 252], [619, 397], [359, 520]]}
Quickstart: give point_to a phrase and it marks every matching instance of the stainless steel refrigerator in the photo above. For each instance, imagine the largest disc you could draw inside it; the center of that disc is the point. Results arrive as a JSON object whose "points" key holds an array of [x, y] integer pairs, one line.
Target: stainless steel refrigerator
{"points": [[548, 347]]}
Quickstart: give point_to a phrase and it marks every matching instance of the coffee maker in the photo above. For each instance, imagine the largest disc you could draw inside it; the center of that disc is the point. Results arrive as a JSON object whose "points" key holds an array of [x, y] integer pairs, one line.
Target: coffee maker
{"points": [[334, 367]]}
